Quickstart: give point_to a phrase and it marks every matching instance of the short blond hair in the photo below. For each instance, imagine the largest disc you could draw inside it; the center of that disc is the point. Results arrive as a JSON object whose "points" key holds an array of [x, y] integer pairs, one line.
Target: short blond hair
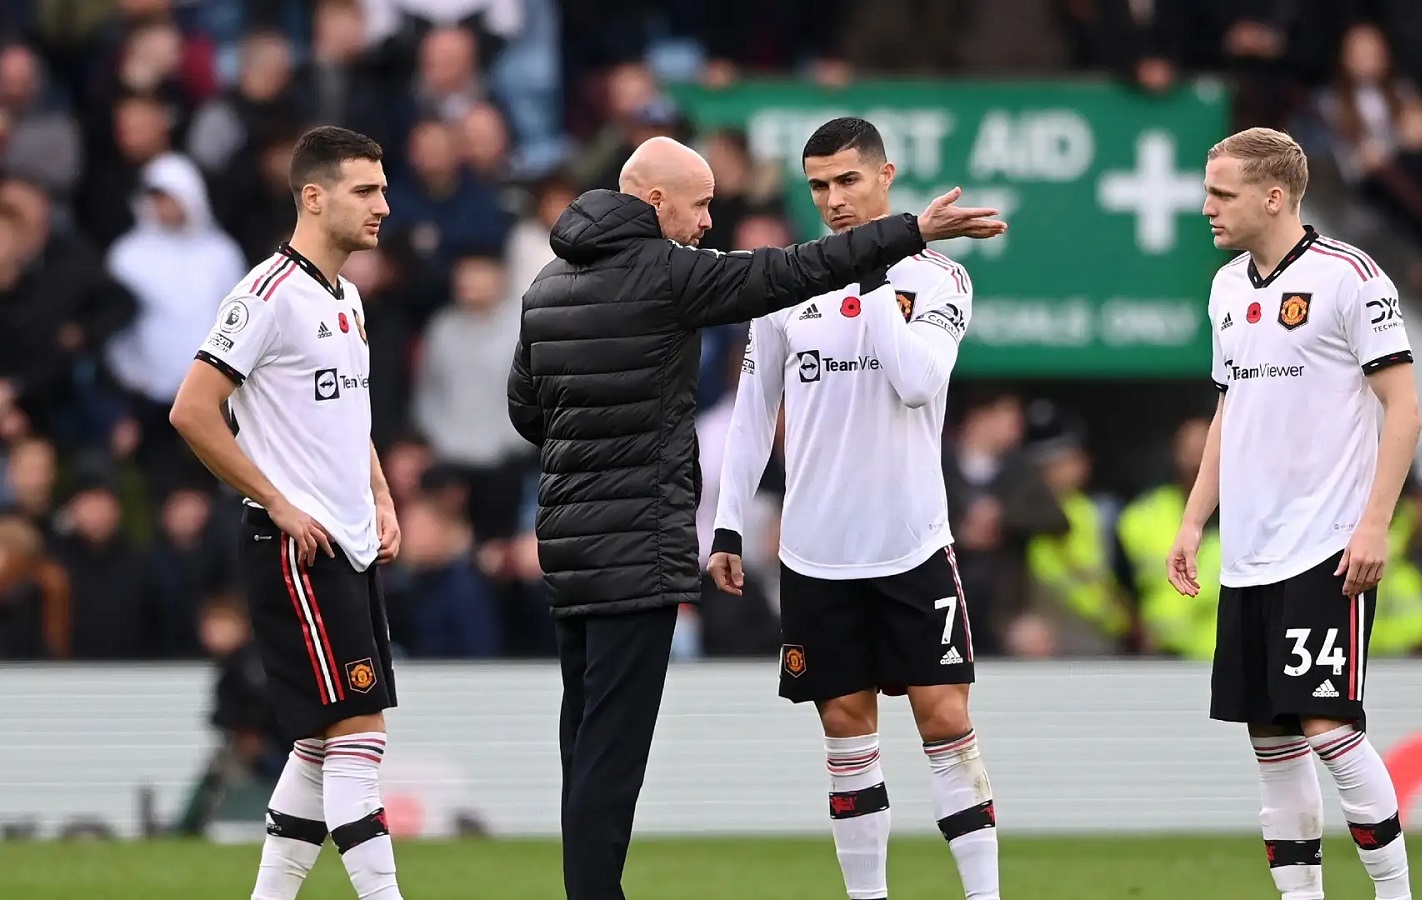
{"points": [[1267, 156]]}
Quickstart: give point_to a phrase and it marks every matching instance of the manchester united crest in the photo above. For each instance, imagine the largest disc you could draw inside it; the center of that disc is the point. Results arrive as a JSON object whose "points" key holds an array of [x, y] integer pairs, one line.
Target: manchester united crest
{"points": [[360, 326], [1293, 310], [906, 299], [361, 675], [792, 659]]}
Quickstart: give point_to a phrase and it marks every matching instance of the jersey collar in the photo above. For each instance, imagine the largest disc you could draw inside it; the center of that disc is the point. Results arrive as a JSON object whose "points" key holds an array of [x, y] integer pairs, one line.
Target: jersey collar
{"points": [[309, 267], [1300, 248]]}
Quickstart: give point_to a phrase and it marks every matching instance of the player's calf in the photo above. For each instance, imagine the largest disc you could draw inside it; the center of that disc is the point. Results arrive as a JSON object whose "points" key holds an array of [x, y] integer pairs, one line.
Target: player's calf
{"points": [[354, 809], [962, 793], [1369, 801], [296, 824], [1290, 813]]}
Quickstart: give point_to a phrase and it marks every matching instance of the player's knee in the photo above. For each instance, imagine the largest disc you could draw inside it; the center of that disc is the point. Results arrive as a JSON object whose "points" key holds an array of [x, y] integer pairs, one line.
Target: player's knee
{"points": [[375, 722], [1273, 730], [850, 716], [942, 713], [1312, 727]]}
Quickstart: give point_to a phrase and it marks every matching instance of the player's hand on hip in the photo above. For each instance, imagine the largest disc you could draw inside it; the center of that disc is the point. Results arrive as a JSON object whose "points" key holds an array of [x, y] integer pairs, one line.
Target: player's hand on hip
{"points": [[1180, 564], [310, 535], [942, 220], [725, 569], [1364, 560], [388, 527]]}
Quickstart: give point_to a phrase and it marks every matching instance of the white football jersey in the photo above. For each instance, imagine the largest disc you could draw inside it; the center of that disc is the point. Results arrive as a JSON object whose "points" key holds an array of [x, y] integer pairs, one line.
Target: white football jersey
{"points": [[1299, 443], [865, 386], [296, 346]]}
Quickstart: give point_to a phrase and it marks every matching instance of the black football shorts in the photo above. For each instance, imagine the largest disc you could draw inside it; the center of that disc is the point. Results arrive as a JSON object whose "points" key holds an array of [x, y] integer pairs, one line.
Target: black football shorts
{"points": [[322, 631], [887, 633], [1294, 649]]}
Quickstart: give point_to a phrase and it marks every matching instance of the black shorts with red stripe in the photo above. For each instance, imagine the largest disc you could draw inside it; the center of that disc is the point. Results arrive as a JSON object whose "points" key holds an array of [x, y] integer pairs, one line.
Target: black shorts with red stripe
{"points": [[840, 637], [322, 631], [1290, 650]]}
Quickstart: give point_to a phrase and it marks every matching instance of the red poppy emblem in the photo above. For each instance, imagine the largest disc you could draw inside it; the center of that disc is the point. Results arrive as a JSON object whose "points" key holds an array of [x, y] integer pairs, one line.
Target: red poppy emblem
{"points": [[850, 307], [1253, 314], [345, 323]]}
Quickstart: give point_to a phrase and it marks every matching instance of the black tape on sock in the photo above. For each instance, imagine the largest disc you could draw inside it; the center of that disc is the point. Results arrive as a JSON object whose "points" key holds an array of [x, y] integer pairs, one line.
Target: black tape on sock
{"points": [[353, 834], [1375, 837], [974, 818], [849, 804], [280, 824], [1294, 853]]}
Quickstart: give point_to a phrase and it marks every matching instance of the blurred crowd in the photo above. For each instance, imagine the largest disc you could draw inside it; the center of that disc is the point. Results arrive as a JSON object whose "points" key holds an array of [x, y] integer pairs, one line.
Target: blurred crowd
{"points": [[144, 147]]}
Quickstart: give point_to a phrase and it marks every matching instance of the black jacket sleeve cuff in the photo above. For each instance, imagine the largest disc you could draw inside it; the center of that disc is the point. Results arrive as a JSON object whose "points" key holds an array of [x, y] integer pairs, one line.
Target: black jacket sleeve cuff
{"points": [[912, 221], [726, 541], [875, 279]]}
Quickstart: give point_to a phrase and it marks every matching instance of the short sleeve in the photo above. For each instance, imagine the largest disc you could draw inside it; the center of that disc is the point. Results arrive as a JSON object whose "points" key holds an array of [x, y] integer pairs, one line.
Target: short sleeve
{"points": [[948, 307], [243, 337], [1372, 324]]}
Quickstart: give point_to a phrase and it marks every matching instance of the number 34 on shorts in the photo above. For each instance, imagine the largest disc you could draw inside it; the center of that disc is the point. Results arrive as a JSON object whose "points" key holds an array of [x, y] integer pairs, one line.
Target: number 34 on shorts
{"points": [[1302, 660]]}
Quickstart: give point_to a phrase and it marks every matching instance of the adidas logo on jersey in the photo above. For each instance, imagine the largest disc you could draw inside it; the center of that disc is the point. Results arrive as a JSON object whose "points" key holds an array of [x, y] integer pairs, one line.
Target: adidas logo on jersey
{"points": [[951, 658], [812, 313], [323, 331], [1326, 689], [1226, 323]]}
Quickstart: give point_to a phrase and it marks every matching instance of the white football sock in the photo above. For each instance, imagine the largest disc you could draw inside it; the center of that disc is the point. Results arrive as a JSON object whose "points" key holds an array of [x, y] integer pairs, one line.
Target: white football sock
{"points": [[859, 815], [357, 818], [1369, 803], [962, 801], [296, 824], [1291, 815]]}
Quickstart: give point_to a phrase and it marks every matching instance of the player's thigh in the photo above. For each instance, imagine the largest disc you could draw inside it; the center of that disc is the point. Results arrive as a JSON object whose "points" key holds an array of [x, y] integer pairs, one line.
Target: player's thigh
{"points": [[1319, 646], [923, 632], [380, 631], [325, 660], [1239, 676], [348, 608], [300, 680], [826, 646]]}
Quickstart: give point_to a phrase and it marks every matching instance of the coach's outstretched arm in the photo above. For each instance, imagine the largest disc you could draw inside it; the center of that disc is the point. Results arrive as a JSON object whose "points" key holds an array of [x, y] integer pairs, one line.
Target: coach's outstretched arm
{"points": [[714, 288]]}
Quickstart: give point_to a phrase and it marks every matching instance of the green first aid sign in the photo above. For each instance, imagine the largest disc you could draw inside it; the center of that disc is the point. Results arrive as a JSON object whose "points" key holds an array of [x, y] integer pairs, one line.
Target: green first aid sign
{"points": [[1105, 269]]}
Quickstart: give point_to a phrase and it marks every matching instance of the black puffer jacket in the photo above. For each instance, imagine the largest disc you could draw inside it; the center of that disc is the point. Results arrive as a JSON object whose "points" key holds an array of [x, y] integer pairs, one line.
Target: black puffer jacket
{"points": [[604, 383]]}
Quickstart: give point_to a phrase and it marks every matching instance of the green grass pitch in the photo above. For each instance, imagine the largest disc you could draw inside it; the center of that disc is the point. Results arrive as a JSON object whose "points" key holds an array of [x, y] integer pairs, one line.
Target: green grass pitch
{"points": [[1087, 868]]}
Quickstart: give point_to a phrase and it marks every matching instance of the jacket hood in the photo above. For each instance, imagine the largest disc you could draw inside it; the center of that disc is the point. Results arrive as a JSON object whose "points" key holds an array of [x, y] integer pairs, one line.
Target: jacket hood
{"points": [[601, 223], [178, 177]]}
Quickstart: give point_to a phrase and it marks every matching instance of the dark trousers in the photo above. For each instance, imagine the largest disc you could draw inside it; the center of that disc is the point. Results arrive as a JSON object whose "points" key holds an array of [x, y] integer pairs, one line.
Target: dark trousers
{"points": [[614, 669]]}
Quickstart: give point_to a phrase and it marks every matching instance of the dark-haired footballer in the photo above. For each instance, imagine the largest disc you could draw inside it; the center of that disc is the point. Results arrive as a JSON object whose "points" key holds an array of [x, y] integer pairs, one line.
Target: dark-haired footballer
{"points": [[870, 598], [277, 405]]}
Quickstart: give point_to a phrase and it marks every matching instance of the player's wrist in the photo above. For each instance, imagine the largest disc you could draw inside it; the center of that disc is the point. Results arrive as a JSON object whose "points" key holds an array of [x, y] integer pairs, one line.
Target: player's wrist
{"points": [[726, 541], [1374, 521]]}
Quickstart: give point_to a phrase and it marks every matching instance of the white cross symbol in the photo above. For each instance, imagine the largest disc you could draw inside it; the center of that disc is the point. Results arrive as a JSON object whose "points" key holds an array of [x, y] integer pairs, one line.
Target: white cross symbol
{"points": [[1156, 192]]}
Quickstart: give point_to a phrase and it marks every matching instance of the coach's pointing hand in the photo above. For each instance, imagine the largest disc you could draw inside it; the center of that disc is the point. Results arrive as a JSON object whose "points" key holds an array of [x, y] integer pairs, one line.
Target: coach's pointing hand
{"points": [[725, 569], [942, 220], [306, 531]]}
